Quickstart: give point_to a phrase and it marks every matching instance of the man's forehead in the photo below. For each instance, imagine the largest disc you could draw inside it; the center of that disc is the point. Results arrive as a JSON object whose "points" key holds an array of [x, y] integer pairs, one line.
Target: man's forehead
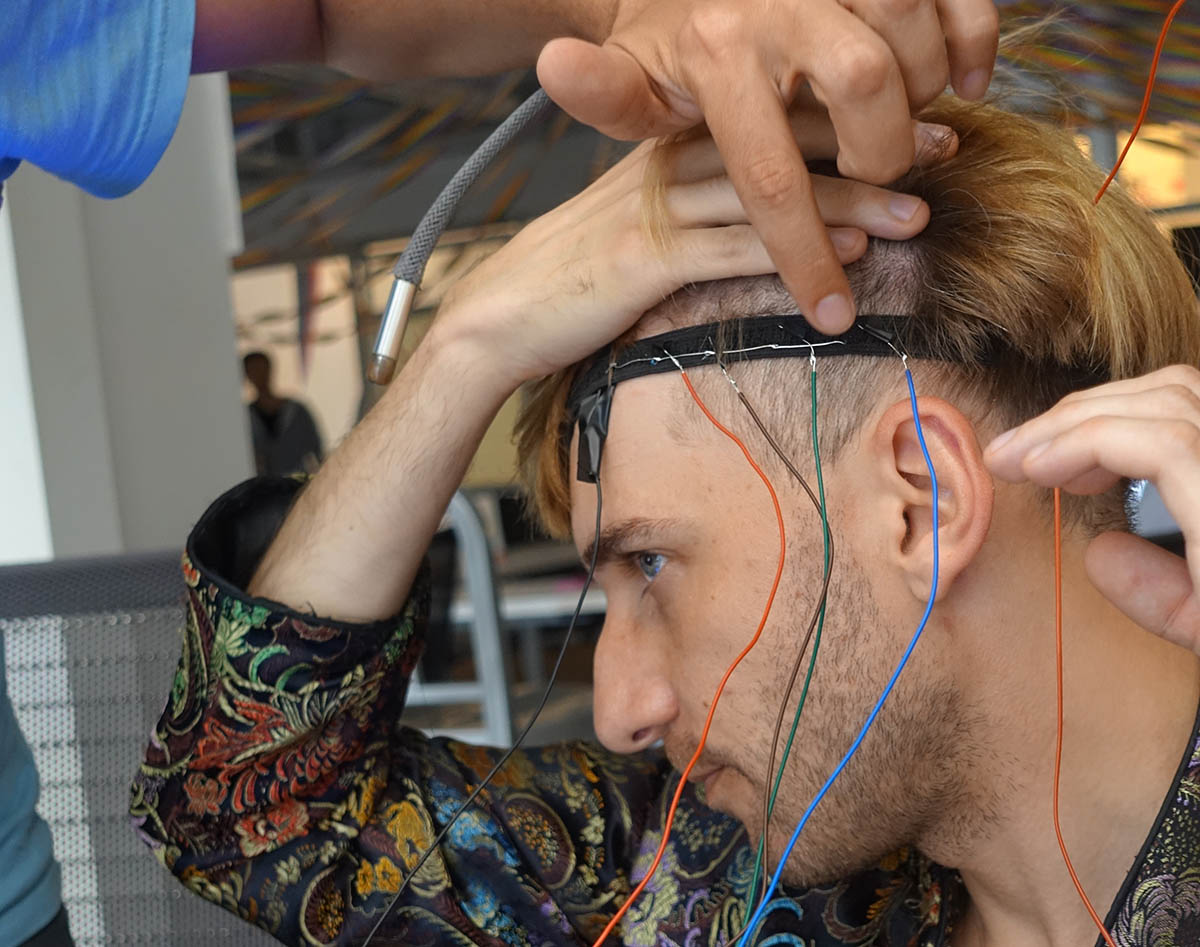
{"points": [[658, 451], [646, 413]]}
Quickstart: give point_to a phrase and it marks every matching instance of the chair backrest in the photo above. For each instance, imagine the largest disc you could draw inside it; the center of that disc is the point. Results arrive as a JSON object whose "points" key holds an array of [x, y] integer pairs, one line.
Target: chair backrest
{"points": [[90, 648], [490, 687]]}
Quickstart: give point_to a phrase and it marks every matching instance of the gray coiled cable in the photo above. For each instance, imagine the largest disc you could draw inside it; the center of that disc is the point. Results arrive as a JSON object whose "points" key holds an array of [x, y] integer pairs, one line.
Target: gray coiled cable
{"points": [[410, 267]]}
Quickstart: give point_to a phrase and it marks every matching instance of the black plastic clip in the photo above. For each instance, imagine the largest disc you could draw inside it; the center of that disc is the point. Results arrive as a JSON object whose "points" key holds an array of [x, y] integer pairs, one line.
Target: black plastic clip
{"points": [[886, 336], [593, 430]]}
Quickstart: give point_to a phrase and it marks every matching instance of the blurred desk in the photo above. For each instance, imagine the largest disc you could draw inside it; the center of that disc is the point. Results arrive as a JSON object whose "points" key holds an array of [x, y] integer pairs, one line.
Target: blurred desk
{"points": [[528, 605]]}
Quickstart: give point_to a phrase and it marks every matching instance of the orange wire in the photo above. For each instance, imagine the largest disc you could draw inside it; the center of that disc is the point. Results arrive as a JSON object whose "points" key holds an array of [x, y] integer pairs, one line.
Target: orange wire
{"points": [[662, 846], [1058, 645], [1058, 743], [1137, 126]]}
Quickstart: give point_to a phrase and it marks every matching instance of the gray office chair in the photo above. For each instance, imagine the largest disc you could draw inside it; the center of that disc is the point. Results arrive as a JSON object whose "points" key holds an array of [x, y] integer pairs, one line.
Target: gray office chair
{"points": [[90, 649]]}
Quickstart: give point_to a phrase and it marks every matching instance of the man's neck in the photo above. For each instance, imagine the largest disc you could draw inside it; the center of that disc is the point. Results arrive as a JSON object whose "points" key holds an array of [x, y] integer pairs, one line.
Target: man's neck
{"points": [[1130, 703]]}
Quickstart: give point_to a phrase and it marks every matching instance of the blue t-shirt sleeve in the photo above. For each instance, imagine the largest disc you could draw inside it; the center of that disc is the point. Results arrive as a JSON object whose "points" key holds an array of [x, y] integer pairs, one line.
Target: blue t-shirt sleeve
{"points": [[91, 91]]}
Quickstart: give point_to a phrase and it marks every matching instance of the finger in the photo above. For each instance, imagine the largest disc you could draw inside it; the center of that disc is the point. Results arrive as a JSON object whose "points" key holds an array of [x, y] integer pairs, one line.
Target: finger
{"points": [[849, 243], [1185, 375], [841, 203], [605, 87], [699, 158], [1166, 452], [856, 75], [716, 253], [748, 123], [1138, 448], [1165, 399], [914, 33], [1149, 584], [972, 29], [1091, 483]]}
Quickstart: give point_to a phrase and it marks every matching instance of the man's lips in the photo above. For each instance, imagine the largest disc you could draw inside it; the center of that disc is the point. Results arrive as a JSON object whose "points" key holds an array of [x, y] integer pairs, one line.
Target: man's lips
{"points": [[706, 777]]}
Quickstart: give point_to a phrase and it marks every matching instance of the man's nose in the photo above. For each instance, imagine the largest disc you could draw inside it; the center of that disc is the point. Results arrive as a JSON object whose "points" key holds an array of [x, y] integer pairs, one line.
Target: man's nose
{"points": [[634, 700]]}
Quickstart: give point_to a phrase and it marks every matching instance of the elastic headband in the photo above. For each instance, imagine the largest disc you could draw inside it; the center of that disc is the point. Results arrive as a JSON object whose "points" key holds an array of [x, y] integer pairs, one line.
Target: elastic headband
{"points": [[753, 337]]}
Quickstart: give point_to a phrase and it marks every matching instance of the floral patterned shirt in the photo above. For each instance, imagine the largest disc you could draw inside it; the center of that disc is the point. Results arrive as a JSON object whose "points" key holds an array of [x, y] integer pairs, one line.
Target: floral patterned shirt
{"points": [[279, 784]]}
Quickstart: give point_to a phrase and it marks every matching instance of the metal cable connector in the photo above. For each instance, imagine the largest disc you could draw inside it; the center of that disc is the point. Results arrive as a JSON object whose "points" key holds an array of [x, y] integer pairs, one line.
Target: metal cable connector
{"points": [[391, 332]]}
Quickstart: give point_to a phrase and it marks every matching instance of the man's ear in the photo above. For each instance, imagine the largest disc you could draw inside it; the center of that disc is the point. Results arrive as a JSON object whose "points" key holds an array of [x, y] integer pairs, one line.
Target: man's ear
{"points": [[965, 492]]}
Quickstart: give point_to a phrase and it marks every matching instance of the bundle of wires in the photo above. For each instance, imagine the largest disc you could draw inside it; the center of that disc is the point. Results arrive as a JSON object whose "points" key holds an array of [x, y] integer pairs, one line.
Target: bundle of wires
{"points": [[771, 791], [759, 912], [669, 821]]}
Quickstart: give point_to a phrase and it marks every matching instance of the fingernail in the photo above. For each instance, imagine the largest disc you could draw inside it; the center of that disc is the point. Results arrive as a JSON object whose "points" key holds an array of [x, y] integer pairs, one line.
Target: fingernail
{"points": [[974, 84], [934, 140], [1000, 440], [903, 206], [834, 314]]}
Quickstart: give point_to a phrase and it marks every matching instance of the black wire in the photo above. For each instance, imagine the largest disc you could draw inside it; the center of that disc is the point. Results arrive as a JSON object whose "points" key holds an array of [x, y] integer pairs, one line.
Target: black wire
{"points": [[562, 651]]}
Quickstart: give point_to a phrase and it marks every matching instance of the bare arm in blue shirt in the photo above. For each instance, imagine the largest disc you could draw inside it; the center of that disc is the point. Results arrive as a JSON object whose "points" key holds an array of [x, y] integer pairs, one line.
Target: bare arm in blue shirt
{"points": [[391, 39]]}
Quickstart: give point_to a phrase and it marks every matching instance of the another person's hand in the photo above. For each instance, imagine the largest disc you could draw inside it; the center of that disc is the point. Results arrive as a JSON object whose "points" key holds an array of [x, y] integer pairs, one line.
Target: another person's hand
{"points": [[737, 64], [578, 277], [1143, 428]]}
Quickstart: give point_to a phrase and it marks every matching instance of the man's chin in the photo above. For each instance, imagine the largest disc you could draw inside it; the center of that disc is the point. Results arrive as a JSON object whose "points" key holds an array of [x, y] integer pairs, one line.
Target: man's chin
{"points": [[728, 791]]}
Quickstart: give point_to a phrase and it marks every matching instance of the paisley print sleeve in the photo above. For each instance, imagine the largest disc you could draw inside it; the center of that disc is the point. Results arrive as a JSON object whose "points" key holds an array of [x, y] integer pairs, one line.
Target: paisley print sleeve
{"points": [[279, 785]]}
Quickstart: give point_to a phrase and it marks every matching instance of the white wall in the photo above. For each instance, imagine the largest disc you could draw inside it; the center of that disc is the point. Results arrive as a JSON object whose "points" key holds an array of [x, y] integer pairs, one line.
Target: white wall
{"points": [[24, 517], [131, 347], [52, 257], [160, 272]]}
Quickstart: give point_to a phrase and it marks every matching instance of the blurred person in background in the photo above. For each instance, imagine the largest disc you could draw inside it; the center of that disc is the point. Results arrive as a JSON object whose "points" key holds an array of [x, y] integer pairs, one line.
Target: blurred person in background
{"points": [[284, 434]]}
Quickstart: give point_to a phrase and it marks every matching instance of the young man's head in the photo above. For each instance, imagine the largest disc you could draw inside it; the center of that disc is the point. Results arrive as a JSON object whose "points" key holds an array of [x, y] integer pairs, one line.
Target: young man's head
{"points": [[257, 366], [1017, 260]]}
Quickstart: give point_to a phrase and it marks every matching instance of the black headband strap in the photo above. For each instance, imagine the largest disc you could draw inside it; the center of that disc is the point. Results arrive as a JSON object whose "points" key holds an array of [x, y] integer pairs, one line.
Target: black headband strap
{"points": [[755, 337]]}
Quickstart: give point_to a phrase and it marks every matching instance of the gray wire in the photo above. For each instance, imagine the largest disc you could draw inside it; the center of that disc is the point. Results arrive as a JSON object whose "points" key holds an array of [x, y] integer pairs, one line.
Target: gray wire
{"points": [[411, 264]]}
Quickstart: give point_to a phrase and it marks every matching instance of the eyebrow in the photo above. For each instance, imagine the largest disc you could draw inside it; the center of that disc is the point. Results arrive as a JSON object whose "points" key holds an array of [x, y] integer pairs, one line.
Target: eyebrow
{"points": [[624, 537]]}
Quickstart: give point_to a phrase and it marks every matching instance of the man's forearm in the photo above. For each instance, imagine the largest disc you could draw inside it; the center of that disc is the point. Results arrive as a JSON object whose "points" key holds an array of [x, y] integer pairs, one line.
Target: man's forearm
{"points": [[352, 545], [391, 39]]}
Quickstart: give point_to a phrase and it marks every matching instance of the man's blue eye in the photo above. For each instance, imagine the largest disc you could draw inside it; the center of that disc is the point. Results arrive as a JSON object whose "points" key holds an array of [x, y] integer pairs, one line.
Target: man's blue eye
{"points": [[651, 564]]}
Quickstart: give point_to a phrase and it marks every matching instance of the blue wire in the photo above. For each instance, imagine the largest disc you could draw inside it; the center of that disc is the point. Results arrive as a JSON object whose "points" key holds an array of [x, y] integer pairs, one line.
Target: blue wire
{"points": [[754, 920]]}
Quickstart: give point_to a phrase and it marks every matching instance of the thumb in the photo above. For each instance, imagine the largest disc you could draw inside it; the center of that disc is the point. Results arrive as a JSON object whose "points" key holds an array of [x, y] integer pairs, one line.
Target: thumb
{"points": [[1149, 584], [605, 87]]}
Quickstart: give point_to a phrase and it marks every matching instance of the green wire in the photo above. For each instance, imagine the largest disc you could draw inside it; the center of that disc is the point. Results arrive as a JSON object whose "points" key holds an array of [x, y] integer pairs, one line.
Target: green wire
{"points": [[812, 663]]}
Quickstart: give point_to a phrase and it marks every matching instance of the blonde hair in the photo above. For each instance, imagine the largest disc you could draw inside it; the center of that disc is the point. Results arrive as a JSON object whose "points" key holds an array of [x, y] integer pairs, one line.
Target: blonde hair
{"points": [[1016, 251]]}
